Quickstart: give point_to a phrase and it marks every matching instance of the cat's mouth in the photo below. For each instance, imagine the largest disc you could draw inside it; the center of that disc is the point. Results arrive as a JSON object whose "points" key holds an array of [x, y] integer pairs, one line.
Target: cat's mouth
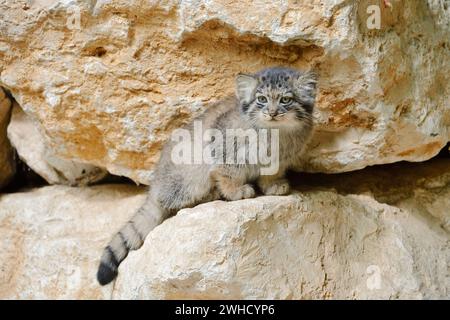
{"points": [[277, 117], [280, 120]]}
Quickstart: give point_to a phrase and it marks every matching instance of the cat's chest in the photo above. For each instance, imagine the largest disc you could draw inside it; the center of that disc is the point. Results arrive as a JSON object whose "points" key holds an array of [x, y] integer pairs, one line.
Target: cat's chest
{"points": [[291, 147]]}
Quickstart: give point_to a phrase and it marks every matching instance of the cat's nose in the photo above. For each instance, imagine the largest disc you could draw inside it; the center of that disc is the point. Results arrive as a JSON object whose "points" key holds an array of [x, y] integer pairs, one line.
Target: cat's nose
{"points": [[273, 113]]}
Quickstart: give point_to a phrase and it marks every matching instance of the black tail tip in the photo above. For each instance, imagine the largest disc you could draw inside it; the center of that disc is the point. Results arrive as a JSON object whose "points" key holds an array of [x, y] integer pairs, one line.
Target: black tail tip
{"points": [[106, 274]]}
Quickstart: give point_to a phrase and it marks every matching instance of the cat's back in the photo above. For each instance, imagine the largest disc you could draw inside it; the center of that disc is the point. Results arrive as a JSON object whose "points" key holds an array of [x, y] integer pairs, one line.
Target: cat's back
{"points": [[185, 184], [223, 112], [220, 115]]}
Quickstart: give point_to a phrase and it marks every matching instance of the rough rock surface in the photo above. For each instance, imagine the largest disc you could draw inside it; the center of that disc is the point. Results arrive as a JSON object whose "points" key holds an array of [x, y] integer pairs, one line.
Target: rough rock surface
{"points": [[7, 164], [27, 138], [51, 239], [360, 235], [311, 245], [110, 86]]}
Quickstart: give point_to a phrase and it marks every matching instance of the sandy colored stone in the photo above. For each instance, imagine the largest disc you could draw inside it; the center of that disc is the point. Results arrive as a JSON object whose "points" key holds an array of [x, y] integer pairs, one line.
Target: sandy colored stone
{"points": [[317, 244], [27, 138], [110, 90], [51, 239], [7, 163]]}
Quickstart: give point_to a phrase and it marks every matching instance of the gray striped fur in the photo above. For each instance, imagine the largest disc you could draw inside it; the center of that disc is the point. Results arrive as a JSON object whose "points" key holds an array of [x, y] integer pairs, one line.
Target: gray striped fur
{"points": [[177, 186]]}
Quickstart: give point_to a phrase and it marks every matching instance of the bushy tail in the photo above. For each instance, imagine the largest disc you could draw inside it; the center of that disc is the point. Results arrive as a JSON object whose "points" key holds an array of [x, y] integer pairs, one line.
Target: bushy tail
{"points": [[130, 237]]}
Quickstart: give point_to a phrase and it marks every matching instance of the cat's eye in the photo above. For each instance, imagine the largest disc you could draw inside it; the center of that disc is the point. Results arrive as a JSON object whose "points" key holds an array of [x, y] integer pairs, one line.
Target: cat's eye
{"points": [[286, 100], [262, 99]]}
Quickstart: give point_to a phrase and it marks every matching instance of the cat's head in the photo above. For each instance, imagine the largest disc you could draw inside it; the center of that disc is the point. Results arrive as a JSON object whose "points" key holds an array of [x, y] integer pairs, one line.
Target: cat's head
{"points": [[277, 97]]}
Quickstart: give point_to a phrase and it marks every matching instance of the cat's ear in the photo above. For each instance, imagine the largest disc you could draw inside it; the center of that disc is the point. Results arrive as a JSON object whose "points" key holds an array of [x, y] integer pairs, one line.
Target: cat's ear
{"points": [[306, 84], [245, 87]]}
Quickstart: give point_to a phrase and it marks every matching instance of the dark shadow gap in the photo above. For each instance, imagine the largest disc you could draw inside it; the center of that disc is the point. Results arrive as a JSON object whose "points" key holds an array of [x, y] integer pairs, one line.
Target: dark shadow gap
{"points": [[24, 179], [388, 183]]}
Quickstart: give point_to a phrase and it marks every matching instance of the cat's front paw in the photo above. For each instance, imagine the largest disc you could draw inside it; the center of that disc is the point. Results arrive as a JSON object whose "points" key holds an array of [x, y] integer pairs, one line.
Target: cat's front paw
{"points": [[243, 192], [279, 188]]}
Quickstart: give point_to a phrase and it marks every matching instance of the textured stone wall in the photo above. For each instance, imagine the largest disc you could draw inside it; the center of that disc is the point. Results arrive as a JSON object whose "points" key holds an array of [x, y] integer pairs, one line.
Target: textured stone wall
{"points": [[109, 90]]}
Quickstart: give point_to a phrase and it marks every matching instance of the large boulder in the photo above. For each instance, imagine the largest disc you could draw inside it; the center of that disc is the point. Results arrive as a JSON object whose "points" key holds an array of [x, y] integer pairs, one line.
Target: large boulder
{"points": [[7, 163], [51, 239], [110, 80], [360, 236]]}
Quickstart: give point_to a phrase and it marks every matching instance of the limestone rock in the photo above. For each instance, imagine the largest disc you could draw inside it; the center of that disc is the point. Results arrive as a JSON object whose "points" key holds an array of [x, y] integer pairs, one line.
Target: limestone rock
{"points": [[7, 164], [51, 239], [110, 80], [26, 137], [317, 244], [356, 235]]}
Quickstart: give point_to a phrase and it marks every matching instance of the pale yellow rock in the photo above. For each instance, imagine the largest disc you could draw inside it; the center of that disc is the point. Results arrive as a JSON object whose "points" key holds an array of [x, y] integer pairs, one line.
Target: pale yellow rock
{"points": [[51, 239], [26, 137], [7, 164], [110, 80], [311, 246], [358, 235]]}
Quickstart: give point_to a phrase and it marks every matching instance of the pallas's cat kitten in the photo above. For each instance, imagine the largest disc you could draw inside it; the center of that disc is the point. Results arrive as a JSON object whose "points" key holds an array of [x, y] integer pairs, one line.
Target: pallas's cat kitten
{"points": [[274, 98]]}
